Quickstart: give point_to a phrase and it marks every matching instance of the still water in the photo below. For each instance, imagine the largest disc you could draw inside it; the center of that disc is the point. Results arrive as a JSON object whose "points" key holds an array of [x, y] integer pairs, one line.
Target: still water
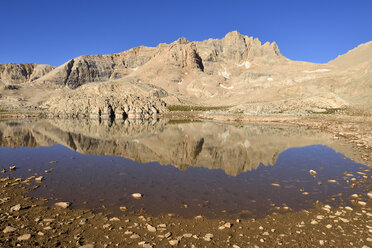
{"points": [[187, 168]]}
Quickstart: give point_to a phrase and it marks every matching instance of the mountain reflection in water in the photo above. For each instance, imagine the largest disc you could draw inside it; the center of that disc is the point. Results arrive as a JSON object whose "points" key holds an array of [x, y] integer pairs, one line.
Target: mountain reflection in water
{"points": [[222, 166]]}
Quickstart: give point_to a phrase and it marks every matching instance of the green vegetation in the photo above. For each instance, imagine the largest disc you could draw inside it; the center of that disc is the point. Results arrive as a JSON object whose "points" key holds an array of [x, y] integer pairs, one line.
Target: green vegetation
{"points": [[182, 121], [3, 110], [328, 111], [194, 108]]}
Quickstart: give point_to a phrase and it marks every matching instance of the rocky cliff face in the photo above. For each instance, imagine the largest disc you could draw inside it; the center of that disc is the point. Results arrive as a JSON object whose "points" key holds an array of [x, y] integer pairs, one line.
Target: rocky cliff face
{"points": [[180, 55], [108, 101], [98, 68], [21, 73]]}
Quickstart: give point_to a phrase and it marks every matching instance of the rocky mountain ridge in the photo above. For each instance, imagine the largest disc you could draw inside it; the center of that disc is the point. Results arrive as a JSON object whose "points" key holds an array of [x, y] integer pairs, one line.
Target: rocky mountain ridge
{"points": [[22, 73], [237, 71]]}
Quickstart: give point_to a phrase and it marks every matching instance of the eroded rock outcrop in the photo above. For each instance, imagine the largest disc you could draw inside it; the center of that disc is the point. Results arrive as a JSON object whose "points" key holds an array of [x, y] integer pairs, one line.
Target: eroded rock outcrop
{"points": [[108, 101]]}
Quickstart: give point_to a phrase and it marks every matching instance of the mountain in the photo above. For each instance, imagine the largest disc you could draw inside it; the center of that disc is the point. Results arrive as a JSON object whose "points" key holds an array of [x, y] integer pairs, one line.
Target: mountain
{"points": [[21, 73], [357, 56], [237, 72]]}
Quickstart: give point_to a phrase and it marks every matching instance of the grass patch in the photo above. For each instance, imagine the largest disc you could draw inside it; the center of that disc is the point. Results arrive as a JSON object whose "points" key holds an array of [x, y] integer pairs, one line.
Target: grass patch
{"points": [[3, 111], [182, 121], [327, 112], [194, 108]]}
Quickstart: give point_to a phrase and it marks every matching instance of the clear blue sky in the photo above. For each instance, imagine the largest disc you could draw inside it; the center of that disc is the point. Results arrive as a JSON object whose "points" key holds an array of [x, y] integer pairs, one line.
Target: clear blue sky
{"points": [[53, 31]]}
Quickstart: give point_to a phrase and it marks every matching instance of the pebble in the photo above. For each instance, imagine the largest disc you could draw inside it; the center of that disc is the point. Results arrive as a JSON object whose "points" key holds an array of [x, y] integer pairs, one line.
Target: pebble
{"points": [[332, 181], [151, 228], [173, 242], [12, 168], [62, 204], [312, 172], [114, 219], [208, 237], [39, 179], [134, 236], [24, 237], [87, 246], [123, 208], [320, 217], [15, 208], [344, 220], [370, 194], [137, 195], [362, 203], [168, 234], [187, 235], [236, 246], [275, 185], [9, 229], [228, 225], [328, 226], [348, 208], [313, 222]]}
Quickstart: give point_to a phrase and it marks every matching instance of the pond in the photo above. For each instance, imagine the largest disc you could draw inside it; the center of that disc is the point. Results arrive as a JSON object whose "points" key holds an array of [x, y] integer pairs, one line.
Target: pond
{"points": [[181, 167]]}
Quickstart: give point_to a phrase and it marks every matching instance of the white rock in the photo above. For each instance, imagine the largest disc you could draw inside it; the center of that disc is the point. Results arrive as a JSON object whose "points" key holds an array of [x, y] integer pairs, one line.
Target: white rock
{"points": [[87, 246], [114, 219], [173, 242], [24, 237], [62, 204], [151, 228], [134, 236], [39, 179], [137, 195], [348, 208], [312, 172], [370, 194], [15, 208], [329, 226], [9, 229], [344, 220], [320, 217], [362, 203], [313, 222]]}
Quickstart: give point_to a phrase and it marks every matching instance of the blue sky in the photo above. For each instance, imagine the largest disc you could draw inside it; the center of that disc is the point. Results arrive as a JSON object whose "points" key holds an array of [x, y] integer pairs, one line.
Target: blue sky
{"points": [[52, 31]]}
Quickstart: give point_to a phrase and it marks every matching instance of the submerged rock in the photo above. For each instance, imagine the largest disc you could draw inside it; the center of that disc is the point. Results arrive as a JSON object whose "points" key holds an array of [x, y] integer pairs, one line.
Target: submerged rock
{"points": [[62, 204], [137, 195]]}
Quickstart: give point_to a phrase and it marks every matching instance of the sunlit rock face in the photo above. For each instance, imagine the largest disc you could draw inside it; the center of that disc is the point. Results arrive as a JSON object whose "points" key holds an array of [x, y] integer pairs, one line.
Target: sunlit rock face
{"points": [[236, 71], [232, 148]]}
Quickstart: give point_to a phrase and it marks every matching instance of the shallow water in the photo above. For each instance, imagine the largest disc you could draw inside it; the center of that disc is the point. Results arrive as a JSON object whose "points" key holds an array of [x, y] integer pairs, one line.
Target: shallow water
{"points": [[205, 168]]}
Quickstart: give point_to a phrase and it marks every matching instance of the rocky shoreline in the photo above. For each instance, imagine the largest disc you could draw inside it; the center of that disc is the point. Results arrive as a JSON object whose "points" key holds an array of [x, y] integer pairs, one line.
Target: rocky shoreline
{"points": [[29, 222]]}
